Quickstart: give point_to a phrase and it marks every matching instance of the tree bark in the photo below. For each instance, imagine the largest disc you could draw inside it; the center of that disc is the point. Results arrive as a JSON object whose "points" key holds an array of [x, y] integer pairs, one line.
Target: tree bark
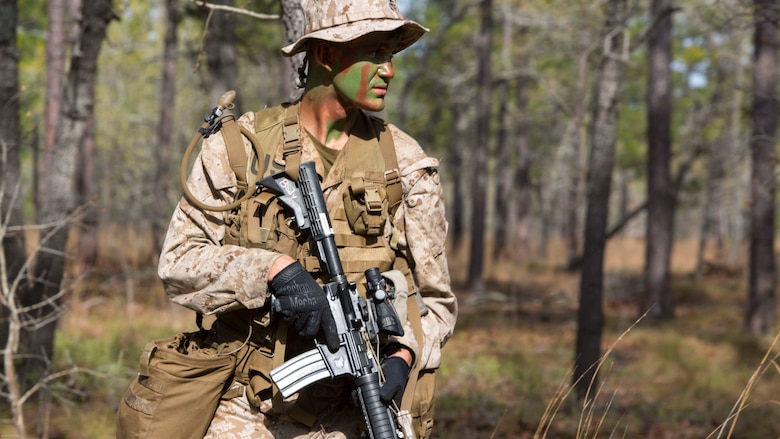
{"points": [[10, 139], [574, 191], [455, 164], [603, 133], [222, 55], [660, 194], [58, 196], [504, 173], [293, 21], [479, 177], [87, 191], [162, 204], [519, 215], [759, 316], [56, 11]]}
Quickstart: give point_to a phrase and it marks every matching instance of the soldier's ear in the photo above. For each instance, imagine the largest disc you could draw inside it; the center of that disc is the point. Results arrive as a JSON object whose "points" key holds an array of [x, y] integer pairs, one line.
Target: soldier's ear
{"points": [[323, 55]]}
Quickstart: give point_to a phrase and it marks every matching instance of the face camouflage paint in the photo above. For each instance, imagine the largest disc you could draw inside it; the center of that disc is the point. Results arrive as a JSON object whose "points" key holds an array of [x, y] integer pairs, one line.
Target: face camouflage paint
{"points": [[362, 73]]}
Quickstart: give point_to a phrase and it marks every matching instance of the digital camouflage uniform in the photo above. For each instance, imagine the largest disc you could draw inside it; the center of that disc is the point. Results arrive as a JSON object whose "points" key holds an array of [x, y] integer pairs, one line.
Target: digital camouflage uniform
{"points": [[217, 262], [202, 274]]}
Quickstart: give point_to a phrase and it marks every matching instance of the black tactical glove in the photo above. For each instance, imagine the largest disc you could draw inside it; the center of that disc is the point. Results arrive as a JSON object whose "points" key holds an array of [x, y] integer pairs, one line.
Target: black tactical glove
{"points": [[396, 373], [302, 303]]}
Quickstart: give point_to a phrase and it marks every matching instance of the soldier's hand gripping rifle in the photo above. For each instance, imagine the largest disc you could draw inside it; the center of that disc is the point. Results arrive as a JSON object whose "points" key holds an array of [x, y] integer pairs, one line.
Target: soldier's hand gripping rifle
{"points": [[359, 322]]}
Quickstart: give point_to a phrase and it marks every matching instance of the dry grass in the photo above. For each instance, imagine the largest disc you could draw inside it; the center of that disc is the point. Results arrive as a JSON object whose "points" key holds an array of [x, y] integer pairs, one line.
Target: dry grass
{"points": [[506, 372], [678, 379]]}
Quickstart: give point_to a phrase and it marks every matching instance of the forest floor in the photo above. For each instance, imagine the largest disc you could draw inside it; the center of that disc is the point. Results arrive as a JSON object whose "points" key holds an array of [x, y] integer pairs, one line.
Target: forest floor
{"points": [[505, 372]]}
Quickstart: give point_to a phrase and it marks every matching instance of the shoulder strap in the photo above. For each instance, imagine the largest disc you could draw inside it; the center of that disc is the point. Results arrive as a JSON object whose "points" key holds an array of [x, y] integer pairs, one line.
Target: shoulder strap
{"points": [[291, 134], [392, 174], [413, 314], [235, 150]]}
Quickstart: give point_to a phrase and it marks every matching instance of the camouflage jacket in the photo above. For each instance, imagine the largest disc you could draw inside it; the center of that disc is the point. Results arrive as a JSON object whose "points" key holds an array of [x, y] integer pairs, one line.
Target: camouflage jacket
{"points": [[201, 273]]}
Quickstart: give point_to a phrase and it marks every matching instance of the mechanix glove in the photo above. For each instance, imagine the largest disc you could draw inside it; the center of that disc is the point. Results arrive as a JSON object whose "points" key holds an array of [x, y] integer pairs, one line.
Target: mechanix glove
{"points": [[302, 304], [396, 372]]}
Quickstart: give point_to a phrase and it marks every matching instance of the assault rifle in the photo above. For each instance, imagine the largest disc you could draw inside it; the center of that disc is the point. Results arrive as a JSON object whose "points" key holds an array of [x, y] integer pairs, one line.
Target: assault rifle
{"points": [[358, 325]]}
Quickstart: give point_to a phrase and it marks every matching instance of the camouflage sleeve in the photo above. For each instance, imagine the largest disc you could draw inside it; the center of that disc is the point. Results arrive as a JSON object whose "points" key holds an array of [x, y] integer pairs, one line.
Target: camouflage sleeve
{"points": [[197, 271], [422, 226]]}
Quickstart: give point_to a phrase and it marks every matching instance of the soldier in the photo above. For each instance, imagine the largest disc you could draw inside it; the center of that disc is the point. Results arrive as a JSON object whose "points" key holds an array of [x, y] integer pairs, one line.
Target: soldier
{"points": [[385, 200]]}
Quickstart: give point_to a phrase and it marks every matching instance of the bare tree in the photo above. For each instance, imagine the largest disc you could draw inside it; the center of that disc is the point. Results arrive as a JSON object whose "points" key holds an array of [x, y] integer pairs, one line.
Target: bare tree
{"points": [[222, 53], [759, 316], [479, 177], [56, 13], [10, 139], [15, 390], [456, 163], [513, 163], [58, 195], [293, 21], [575, 177], [165, 123], [660, 194], [603, 134]]}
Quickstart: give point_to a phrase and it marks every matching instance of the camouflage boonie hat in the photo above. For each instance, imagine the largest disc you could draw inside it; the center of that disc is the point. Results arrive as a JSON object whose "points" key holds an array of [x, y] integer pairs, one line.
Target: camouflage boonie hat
{"points": [[340, 21]]}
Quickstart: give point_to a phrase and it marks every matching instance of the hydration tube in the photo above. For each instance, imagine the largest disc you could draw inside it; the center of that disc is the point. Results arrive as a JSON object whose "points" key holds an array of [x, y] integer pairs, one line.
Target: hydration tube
{"points": [[215, 121]]}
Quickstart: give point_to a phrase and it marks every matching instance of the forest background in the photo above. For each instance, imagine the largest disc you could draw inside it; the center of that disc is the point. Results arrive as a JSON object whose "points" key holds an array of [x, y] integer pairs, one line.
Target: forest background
{"points": [[610, 175]]}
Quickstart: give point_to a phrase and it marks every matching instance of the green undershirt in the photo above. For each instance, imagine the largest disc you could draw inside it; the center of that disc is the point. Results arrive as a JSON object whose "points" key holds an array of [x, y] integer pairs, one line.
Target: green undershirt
{"points": [[328, 155]]}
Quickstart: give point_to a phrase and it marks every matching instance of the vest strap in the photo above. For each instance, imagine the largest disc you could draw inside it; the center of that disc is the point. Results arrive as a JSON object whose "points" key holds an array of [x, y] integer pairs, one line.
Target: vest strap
{"points": [[415, 320], [235, 149], [291, 135], [392, 174], [280, 343]]}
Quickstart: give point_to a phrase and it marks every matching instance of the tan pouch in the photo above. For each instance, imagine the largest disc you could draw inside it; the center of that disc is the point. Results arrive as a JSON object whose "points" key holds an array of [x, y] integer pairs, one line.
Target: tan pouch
{"points": [[255, 373], [177, 391], [365, 204]]}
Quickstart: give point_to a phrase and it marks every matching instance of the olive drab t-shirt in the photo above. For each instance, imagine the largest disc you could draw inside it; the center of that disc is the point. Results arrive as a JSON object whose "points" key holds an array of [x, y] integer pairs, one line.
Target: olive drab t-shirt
{"points": [[328, 155]]}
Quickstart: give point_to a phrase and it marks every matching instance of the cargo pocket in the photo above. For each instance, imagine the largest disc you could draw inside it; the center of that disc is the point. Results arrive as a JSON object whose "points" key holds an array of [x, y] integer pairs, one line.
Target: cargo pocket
{"points": [[177, 390]]}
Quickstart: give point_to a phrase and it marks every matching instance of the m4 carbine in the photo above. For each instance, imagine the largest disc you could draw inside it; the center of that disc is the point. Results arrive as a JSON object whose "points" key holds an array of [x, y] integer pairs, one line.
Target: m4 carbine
{"points": [[359, 321]]}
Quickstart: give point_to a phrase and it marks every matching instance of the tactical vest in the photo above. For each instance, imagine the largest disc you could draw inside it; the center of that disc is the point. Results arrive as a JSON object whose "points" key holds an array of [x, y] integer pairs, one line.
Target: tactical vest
{"points": [[367, 182]]}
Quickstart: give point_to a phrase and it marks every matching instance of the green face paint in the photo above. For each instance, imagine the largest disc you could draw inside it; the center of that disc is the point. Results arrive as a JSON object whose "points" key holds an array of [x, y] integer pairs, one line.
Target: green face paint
{"points": [[363, 71]]}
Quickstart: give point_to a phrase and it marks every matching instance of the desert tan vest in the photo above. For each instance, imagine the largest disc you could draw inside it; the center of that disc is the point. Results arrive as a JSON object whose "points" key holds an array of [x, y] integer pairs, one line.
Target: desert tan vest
{"points": [[369, 192], [368, 184]]}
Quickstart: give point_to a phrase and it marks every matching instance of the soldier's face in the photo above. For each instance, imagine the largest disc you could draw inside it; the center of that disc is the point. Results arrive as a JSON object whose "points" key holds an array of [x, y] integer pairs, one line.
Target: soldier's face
{"points": [[363, 69]]}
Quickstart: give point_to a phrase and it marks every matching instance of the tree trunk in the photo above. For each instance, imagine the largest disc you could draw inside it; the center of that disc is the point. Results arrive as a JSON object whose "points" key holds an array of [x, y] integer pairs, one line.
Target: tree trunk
{"points": [[222, 55], [660, 194], [759, 317], [575, 190], [504, 170], [504, 173], [10, 139], [87, 191], [56, 11], [162, 204], [519, 218], [479, 177], [716, 170], [293, 21], [590, 317], [58, 195], [455, 163]]}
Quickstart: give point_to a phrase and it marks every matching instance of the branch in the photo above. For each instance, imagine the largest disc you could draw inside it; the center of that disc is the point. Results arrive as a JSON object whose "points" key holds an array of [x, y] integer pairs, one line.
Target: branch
{"points": [[242, 11], [617, 227], [55, 376], [646, 33]]}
